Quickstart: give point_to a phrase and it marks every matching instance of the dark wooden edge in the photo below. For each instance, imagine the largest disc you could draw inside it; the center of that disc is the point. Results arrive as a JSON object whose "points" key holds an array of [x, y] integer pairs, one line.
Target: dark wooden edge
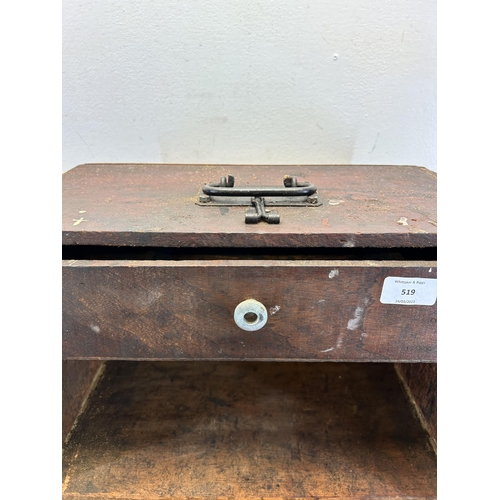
{"points": [[235, 240], [420, 383], [78, 380]]}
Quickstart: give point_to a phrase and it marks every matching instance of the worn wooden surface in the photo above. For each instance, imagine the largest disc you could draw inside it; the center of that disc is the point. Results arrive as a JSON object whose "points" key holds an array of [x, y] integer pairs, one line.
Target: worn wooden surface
{"points": [[77, 379], [159, 430], [154, 205], [322, 310], [420, 380]]}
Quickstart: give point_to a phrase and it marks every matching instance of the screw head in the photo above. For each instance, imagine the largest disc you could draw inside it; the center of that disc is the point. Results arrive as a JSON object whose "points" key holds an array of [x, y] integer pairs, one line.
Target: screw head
{"points": [[204, 198], [313, 198]]}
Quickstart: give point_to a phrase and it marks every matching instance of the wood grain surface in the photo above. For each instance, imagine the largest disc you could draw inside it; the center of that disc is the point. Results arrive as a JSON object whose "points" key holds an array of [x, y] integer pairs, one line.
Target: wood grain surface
{"points": [[322, 310], [164, 430], [155, 206], [77, 379], [420, 380]]}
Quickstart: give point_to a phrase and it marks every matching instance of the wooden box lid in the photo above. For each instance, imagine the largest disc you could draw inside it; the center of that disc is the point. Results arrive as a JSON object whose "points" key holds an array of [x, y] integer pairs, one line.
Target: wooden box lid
{"points": [[154, 205]]}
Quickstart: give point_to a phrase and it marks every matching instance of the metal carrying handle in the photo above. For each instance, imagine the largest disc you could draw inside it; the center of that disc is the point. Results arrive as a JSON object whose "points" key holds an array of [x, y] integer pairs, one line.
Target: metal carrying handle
{"points": [[291, 188], [288, 195]]}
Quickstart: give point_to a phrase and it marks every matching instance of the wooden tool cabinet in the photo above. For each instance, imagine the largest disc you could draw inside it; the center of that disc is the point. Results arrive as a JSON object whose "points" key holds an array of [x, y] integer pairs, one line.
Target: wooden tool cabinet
{"points": [[165, 396]]}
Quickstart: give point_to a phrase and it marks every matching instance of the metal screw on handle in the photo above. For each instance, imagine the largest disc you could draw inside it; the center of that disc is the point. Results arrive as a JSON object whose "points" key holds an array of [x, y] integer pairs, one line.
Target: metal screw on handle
{"points": [[250, 315]]}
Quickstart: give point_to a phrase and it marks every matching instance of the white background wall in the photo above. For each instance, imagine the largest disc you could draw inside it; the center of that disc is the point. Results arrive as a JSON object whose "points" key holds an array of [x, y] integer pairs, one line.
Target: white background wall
{"points": [[226, 81]]}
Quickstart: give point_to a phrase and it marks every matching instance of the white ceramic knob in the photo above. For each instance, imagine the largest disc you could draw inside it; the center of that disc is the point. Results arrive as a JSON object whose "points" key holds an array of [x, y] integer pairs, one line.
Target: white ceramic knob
{"points": [[250, 315]]}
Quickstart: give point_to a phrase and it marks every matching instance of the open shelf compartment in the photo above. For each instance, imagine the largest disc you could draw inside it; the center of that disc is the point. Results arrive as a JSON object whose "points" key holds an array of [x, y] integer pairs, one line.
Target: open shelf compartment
{"points": [[162, 430]]}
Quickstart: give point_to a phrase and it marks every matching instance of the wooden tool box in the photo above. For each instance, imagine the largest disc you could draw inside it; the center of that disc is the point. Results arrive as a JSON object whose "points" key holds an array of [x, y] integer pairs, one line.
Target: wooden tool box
{"points": [[249, 332]]}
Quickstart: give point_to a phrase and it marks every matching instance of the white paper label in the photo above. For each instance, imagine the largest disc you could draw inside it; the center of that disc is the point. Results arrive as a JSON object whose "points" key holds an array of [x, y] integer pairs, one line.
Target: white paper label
{"points": [[409, 291]]}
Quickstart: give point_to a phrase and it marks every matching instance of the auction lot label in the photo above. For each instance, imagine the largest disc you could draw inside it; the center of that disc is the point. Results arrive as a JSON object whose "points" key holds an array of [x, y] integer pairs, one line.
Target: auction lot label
{"points": [[409, 291]]}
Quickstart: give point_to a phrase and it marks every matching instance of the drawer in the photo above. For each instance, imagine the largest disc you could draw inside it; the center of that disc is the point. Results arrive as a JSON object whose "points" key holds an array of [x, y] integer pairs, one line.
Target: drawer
{"points": [[184, 310]]}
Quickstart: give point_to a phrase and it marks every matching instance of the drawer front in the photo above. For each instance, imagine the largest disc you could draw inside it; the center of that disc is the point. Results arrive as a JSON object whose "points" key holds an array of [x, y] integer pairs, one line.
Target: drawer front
{"points": [[317, 310]]}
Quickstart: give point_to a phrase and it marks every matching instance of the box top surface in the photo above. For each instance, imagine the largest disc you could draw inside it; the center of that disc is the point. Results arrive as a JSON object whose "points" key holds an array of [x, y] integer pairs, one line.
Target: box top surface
{"points": [[156, 205]]}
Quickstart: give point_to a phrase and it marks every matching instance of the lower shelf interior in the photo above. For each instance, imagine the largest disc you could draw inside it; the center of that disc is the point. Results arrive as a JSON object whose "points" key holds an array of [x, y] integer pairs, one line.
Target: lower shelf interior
{"points": [[154, 430]]}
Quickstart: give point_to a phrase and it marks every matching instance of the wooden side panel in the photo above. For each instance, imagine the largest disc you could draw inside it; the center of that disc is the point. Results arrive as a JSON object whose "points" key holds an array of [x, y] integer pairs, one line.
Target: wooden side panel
{"points": [[173, 430], [184, 310], [420, 380], [77, 380], [155, 205]]}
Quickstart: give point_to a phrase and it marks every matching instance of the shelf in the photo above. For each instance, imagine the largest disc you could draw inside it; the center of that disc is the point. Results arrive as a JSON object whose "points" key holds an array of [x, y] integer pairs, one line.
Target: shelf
{"points": [[162, 430]]}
